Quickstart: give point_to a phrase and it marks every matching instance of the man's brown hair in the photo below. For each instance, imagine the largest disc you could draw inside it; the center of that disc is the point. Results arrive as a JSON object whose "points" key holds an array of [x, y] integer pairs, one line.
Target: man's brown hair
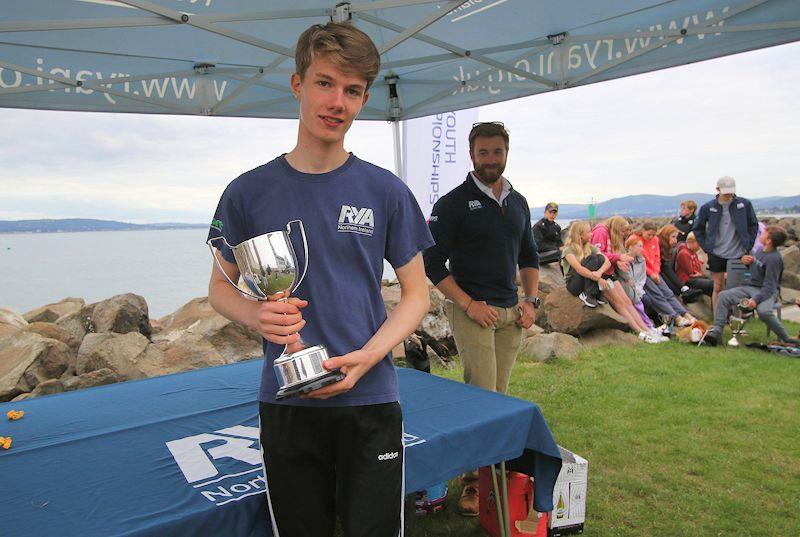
{"points": [[777, 235], [347, 47], [487, 130]]}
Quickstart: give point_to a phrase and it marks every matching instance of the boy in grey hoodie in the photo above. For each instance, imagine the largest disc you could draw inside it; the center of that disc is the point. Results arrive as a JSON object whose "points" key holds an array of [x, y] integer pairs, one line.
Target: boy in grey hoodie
{"points": [[760, 292]]}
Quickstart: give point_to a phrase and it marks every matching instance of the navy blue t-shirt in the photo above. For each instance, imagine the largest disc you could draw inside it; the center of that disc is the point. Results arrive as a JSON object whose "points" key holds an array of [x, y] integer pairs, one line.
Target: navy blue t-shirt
{"points": [[354, 217]]}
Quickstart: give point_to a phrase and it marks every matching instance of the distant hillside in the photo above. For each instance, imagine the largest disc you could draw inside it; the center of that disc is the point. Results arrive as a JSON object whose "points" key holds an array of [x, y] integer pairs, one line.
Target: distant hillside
{"points": [[82, 224], [652, 205]]}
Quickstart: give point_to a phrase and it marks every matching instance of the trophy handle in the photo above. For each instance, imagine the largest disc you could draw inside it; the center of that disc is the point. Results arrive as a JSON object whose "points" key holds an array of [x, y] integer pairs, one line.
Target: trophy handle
{"points": [[305, 248], [219, 266]]}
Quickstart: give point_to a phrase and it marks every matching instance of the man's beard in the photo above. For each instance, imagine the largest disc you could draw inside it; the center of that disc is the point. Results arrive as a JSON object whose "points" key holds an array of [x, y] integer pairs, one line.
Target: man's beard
{"points": [[489, 174]]}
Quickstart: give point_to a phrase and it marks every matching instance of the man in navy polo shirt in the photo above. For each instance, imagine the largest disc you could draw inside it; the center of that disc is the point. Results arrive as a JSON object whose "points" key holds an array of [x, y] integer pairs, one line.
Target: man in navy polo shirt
{"points": [[338, 450], [483, 228]]}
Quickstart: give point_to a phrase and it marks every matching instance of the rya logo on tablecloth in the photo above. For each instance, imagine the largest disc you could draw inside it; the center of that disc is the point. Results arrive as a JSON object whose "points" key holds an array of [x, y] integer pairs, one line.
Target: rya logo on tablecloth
{"points": [[226, 466], [223, 466]]}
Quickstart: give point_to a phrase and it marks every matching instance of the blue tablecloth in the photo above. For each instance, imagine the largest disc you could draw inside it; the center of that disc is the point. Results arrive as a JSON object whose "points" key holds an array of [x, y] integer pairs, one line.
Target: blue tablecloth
{"points": [[178, 455]]}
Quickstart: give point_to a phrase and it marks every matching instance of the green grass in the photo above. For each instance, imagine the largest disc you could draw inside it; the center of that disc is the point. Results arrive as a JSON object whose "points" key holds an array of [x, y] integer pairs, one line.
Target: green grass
{"points": [[680, 440]]}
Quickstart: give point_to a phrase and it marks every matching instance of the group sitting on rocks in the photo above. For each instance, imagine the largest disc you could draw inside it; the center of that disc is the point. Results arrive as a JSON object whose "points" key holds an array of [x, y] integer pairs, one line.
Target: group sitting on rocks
{"points": [[649, 273], [72, 345]]}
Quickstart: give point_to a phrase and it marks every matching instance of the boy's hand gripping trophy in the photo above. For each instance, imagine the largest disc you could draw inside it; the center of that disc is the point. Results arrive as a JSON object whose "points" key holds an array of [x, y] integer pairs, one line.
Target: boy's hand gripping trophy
{"points": [[268, 265]]}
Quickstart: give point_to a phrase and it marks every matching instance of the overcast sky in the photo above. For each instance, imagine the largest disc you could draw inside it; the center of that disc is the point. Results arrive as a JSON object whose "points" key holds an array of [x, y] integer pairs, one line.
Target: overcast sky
{"points": [[668, 132]]}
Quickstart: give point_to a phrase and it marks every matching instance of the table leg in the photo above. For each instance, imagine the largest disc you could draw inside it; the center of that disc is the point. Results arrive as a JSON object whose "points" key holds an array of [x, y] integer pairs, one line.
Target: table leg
{"points": [[506, 515], [500, 516]]}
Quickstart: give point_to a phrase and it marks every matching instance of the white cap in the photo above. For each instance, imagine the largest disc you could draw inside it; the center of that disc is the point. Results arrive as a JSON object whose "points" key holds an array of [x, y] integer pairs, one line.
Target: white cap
{"points": [[726, 185]]}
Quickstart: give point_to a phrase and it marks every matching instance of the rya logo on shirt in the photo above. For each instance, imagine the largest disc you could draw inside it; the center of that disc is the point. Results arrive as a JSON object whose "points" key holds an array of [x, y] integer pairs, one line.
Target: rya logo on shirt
{"points": [[355, 220], [475, 204]]}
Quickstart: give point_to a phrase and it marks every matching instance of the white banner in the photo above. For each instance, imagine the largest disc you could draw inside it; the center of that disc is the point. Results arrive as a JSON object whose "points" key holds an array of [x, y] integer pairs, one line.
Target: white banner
{"points": [[436, 154]]}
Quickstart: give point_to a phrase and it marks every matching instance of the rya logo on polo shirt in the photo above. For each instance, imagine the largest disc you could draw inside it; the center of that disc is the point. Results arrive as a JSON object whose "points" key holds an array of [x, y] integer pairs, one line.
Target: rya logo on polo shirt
{"points": [[474, 204], [356, 220]]}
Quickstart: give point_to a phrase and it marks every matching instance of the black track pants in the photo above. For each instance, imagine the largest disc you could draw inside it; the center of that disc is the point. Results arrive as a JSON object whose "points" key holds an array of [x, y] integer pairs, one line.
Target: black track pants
{"points": [[324, 462]]}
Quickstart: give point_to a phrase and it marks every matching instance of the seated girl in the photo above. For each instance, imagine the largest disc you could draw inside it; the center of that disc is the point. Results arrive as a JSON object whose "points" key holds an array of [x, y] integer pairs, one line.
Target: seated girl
{"points": [[633, 281], [663, 299], [667, 240], [584, 272]]}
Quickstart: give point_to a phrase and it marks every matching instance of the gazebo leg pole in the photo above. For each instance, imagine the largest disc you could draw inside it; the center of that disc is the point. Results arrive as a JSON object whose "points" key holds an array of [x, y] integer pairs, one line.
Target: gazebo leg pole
{"points": [[398, 149]]}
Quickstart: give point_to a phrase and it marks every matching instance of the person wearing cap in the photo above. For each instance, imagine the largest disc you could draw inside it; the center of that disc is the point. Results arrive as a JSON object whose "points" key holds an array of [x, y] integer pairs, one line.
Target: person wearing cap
{"points": [[726, 228], [483, 229], [547, 234]]}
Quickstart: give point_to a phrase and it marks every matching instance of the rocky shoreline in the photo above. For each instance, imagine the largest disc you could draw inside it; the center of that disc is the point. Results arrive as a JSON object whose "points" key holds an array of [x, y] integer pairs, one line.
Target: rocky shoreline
{"points": [[71, 345]]}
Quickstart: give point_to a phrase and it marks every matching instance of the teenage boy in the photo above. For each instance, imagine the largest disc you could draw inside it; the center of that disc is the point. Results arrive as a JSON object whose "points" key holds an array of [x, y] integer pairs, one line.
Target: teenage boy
{"points": [[547, 234], [685, 220], [762, 291], [483, 227], [726, 228], [338, 450]]}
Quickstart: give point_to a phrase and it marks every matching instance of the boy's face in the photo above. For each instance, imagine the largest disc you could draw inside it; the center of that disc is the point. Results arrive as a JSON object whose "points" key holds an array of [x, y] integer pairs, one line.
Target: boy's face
{"points": [[764, 238], [724, 198], [330, 100], [692, 244], [635, 249], [685, 211], [551, 214]]}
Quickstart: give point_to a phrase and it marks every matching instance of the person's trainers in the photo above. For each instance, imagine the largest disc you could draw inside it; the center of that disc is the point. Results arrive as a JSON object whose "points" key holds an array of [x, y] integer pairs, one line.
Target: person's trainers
{"points": [[655, 333], [647, 337], [711, 338], [600, 301], [588, 301], [468, 503]]}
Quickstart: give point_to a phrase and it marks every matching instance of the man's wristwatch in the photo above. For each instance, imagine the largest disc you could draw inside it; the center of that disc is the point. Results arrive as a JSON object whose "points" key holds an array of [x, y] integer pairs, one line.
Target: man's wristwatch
{"points": [[535, 300]]}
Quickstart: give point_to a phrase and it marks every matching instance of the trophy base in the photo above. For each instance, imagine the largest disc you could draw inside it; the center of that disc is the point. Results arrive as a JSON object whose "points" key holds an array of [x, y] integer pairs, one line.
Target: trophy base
{"points": [[309, 385]]}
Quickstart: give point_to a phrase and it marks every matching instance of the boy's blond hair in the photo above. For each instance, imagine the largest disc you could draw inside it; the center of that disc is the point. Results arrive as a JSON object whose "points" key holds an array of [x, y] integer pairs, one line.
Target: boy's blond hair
{"points": [[347, 47]]}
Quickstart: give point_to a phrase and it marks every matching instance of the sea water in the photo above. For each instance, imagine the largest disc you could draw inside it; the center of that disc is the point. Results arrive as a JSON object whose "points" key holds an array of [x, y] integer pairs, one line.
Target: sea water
{"points": [[167, 267]]}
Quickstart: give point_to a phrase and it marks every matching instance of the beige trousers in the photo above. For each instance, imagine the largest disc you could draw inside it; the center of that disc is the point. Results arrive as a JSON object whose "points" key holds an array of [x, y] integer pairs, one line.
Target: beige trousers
{"points": [[488, 354]]}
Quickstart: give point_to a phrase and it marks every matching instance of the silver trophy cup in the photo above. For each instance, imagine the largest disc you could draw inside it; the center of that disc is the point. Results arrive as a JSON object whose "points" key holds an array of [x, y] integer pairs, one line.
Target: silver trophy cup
{"points": [[268, 265], [737, 322]]}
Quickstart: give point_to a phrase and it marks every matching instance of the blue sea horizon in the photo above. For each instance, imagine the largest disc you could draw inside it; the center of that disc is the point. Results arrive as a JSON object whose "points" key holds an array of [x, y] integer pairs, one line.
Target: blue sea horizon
{"points": [[167, 267]]}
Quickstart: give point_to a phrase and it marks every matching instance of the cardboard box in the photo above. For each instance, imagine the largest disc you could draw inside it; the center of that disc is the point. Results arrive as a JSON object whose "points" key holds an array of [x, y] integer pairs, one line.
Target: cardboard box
{"points": [[569, 495]]}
